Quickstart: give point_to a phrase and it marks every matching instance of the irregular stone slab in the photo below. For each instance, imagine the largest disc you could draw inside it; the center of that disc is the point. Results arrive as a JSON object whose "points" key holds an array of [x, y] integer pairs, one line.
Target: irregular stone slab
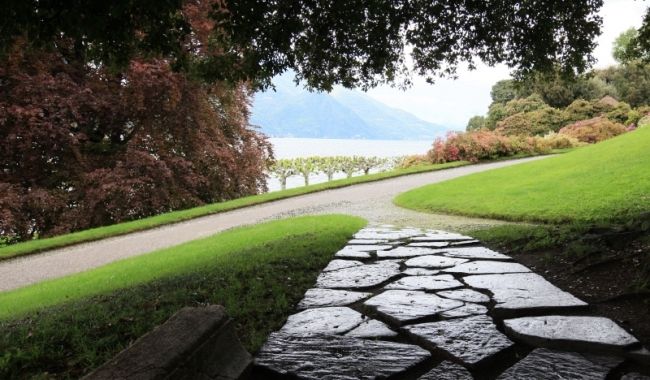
{"points": [[441, 236], [463, 242], [327, 320], [467, 295], [361, 250], [469, 340], [403, 252], [430, 261], [387, 234], [447, 371], [329, 297], [444, 281], [487, 267], [403, 306], [367, 241], [372, 328], [340, 264], [465, 311], [570, 332], [635, 376], [359, 277], [429, 244], [543, 364], [518, 292], [473, 253], [347, 253], [419, 272], [337, 358]]}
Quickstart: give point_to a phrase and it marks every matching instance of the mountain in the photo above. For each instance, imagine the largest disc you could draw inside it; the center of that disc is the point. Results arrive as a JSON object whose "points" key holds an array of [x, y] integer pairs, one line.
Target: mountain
{"points": [[292, 111]]}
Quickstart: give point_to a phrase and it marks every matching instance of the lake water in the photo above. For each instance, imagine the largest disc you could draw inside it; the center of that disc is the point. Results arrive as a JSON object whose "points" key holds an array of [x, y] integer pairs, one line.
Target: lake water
{"points": [[302, 147]]}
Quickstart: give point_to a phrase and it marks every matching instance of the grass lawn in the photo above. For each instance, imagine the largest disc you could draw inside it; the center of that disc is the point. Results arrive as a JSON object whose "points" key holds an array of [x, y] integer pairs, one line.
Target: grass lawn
{"points": [[181, 215], [68, 326], [608, 181]]}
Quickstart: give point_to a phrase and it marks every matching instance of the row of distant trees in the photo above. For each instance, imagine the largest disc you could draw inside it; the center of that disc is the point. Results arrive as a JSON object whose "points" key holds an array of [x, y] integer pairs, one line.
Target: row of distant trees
{"points": [[307, 166]]}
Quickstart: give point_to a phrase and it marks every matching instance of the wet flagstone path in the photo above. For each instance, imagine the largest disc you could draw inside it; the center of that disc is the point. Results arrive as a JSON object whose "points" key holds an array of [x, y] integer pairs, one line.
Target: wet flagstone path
{"points": [[420, 304]]}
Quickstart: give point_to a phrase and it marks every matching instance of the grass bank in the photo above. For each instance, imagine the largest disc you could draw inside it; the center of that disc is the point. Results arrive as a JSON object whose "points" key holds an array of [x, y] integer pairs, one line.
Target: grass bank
{"points": [[182, 215], [603, 182], [68, 326]]}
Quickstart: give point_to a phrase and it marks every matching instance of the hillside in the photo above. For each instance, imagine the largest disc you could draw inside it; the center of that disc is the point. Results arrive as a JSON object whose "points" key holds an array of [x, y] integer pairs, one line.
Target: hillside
{"points": [[292, 111], [605, 181]]}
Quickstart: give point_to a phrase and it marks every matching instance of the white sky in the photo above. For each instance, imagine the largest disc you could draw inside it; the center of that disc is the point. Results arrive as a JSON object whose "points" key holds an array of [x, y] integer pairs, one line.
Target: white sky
{"points": [[452, 102]]}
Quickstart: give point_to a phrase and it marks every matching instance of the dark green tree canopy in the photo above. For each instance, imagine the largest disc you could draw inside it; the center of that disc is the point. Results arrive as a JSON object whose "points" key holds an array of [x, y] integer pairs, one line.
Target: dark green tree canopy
{"points": [[355, 43]]}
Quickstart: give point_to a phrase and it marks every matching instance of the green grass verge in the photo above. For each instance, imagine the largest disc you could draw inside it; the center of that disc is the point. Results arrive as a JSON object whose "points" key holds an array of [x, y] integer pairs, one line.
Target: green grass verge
{"points": [[39, 245], [66, 327], [605, 181]]}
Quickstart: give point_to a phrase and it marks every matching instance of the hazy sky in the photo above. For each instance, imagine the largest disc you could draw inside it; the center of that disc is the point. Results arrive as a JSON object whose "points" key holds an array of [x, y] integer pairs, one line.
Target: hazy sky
{"points": [[453, 102]]}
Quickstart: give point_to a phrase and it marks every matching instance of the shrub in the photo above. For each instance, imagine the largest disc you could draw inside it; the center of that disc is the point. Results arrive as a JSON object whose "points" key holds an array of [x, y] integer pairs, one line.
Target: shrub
{"points": [[593, 130], [475, 123], [579, 110], [480, 145], [413, 160], [555, 140]]}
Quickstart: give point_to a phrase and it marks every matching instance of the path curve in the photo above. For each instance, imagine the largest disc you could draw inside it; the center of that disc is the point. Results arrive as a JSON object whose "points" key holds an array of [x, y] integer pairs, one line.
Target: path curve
{"points": [[372, 200]]}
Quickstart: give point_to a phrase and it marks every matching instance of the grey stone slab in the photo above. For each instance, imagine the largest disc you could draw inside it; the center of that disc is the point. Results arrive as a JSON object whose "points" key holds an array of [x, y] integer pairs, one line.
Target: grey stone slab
{"points": [[467, 295], [431, 261], [318, 297], [361, 250], [348, 253], [518, 292], [387, 234], [372, 328], [469, 340], [634, 376], [359, 277], [434, 235], [419, 272], [543, 364], [337, 358], [367, 241], [405, 252], [438, 282], [327, 320], [479, 253], [487, 267], [463, 243], [340, 264], [429, 244], [465, 311], [570, 332], [403, 306], [447, 371]]}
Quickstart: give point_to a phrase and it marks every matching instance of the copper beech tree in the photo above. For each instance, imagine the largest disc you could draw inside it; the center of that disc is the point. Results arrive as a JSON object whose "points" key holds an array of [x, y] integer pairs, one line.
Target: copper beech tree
{"points": [[83, 145]]}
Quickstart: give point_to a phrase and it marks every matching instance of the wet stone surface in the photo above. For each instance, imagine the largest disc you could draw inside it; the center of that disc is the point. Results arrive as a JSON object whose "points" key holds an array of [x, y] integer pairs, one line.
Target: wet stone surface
{"points": [[327, 320], [441, 296], [447, 371], [404, 306], [467, 295], [438, 282], [372, 329], [572, 332], [330, 297], [358, 277], [334, 357], [487, 267], [434, 262], [545, 364], [469, 340], [518, 292]]}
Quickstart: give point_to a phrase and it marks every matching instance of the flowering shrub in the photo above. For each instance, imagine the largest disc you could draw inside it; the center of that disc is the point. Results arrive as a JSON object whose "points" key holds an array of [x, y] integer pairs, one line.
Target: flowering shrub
{"points": [[555, 140], [593, 130], [481, 145], [413, 160]]}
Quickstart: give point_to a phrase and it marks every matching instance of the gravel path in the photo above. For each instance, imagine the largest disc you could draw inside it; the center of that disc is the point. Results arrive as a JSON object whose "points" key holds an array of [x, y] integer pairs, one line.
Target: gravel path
{"points": [[372, 201]]}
